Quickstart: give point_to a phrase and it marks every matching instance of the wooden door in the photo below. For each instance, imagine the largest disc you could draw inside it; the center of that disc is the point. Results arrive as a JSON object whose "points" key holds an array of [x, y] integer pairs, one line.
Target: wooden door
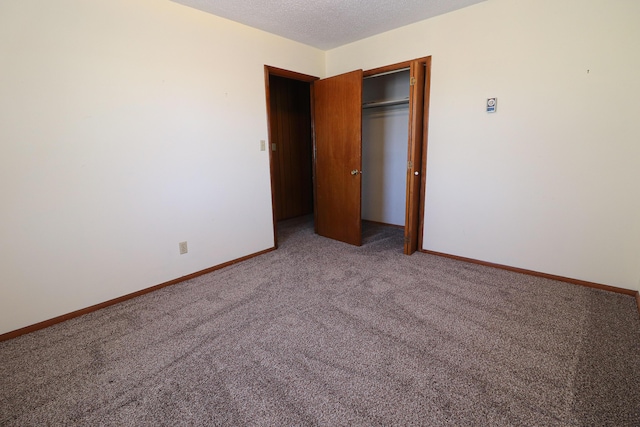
{"points": [[338, 156], [414, 156]]}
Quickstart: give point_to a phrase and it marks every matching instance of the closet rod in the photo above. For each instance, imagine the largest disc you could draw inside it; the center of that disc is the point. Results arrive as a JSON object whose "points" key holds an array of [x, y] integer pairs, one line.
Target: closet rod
{"points": [[385, 103], [386, 73]]}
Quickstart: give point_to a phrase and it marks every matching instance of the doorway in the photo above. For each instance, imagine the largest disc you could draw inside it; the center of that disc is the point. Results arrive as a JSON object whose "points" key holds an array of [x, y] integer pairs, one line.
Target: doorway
{"points": [[290, 124], [398, 91], [291, 147], [335, 131]]}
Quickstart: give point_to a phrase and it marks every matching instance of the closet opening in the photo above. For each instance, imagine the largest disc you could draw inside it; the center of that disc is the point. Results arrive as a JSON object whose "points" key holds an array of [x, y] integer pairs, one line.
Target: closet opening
{"points": [[385, 132], [395, 127]]}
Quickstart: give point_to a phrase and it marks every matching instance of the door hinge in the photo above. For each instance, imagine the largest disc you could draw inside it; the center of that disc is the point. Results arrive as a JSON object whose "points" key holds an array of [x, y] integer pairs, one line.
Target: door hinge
{"points": [[412, 81], [409, 165]]}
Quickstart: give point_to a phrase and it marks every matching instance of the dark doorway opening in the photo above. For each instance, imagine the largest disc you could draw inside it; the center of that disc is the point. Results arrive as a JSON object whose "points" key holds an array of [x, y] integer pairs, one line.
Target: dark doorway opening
{"points": [[289, 100]]}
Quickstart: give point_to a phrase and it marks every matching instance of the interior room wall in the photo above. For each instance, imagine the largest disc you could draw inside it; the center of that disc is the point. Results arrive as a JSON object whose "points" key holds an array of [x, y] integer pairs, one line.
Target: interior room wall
{"points": [[126, 127], [550, 181]]}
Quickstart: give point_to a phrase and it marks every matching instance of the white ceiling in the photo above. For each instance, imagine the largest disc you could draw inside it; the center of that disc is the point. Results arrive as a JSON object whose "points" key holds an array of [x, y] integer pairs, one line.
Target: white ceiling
{"points": [[326, 24]]}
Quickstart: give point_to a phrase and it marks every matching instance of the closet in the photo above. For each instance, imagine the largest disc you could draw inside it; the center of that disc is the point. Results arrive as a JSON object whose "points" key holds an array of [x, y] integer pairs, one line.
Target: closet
{"points": [[385, 132]]}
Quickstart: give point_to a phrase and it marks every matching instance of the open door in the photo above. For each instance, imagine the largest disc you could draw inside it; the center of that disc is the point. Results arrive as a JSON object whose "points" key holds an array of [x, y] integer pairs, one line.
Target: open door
{"points": [[338, 156], [414, 157]]}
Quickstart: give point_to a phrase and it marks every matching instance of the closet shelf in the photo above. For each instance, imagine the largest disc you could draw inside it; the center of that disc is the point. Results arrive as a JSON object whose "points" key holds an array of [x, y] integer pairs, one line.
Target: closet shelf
{"points": [[376, 104]]}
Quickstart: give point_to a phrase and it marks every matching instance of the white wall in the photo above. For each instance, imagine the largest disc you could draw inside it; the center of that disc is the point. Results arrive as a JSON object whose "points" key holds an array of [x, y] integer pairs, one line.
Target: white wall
{"points": [[385, 134], [551, 181], [127, 126]]}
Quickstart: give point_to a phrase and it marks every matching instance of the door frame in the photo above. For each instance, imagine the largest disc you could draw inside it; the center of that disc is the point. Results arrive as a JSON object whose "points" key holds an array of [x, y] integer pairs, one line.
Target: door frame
{"points": [[418, 232], [275, 71]]}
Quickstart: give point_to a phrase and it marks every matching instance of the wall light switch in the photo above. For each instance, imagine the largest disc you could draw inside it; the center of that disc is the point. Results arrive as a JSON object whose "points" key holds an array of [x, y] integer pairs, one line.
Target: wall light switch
{"points": [[262, 145]]}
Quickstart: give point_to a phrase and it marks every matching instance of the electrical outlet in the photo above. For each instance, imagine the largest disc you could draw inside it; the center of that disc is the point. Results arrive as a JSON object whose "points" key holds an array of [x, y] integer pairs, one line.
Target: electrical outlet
{"points": [[262, 145], [183, 248]]}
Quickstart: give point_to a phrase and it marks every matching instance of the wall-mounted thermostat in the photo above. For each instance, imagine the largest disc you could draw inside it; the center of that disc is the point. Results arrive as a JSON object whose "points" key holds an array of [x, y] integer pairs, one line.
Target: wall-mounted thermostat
{"points": [[492, 104]]}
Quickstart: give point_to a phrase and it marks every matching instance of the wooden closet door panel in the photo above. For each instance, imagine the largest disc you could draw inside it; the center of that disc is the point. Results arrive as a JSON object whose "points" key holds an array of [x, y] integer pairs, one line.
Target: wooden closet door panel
{"points": [[338, 143], [414, 156]]}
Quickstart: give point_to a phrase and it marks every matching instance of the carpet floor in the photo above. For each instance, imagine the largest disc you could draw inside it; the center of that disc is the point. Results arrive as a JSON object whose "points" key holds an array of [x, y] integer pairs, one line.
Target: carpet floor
{"points": [[320, 333]]}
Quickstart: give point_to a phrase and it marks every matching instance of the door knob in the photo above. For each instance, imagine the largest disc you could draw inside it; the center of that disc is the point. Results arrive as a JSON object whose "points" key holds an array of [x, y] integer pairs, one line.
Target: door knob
{"points": [[355, 172]]}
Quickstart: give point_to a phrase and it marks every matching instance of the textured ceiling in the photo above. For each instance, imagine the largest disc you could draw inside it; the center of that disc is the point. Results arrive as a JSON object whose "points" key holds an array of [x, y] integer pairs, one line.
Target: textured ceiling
{"points": [[326, 24]]}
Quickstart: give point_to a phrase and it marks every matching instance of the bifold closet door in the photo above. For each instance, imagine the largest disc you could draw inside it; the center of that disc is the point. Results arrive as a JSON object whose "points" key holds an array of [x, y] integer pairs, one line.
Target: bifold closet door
{"points": [[338, 163], [414, 156]]}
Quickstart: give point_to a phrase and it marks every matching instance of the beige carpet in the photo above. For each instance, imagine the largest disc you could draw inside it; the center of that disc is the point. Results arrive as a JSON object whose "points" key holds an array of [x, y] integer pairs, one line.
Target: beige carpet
{"points": [[323, 333]]}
